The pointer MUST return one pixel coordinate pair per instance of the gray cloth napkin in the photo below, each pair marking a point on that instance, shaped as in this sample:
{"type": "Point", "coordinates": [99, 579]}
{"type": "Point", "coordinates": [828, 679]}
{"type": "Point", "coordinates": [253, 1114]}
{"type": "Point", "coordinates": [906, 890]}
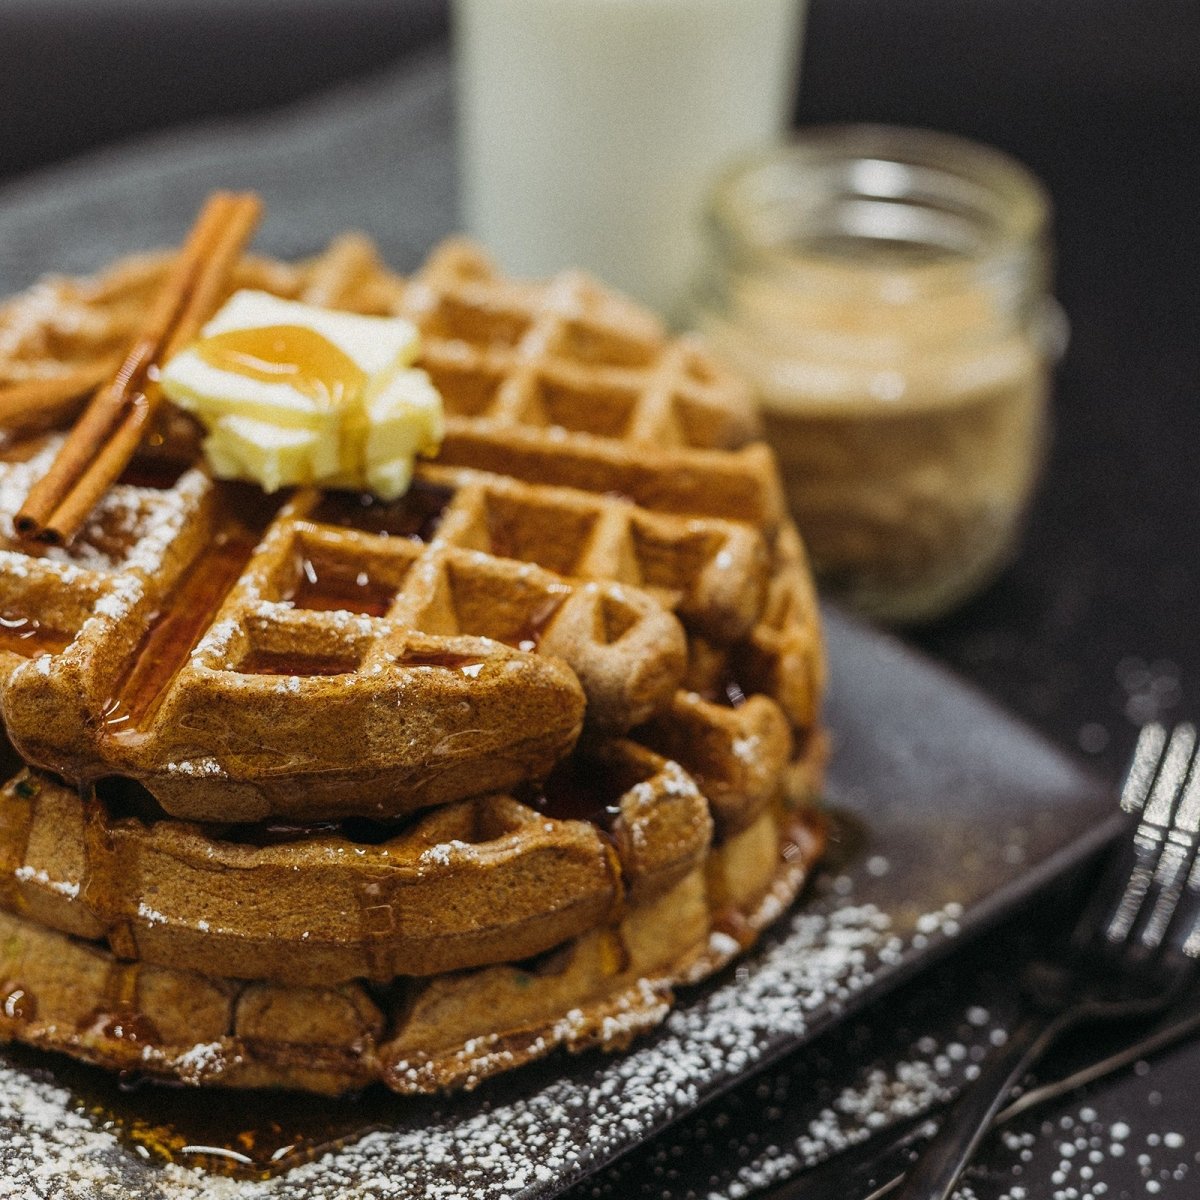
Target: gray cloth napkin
{"type": "Point", "coordinates": [375, 156]}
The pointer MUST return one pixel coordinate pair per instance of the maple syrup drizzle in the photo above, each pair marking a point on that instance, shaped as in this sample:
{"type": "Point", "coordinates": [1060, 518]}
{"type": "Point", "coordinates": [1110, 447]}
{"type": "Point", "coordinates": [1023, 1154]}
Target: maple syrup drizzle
{"type": "Point", "coordinates": [286, 662]}
{"type": "Point", "coordinates": [733, 923]}
{"type": "Point", "coordinates": [185, 616]}
{"type": "Point", "coordinates": [377, 925]}
{"type": "Point", "coordinates": [237, 1134]}
{"type": "Point", "coordinates": [416, 515]}
{"type": "Point", "coordinates": [29, 637]}
{"type": "Point", "coordinates": [325, 586]}
{"type": "Point", "coordinates": [155, 472]}
{"type": "Point", "coordinates": [16, 820]}
{"type": "Point", "coordinates": [103, 884]}
{"type": "Point", "coordinates": [614, 954]}
{"type": "Point", "coordinates": [294, 355]}
{"type": "Point", "coordinates": [447, 660]}
{"type": "Point", "coordinates": [579, 791]}
{"type": "Point", "coordinates": [117, 1015]}
{"type": "Point", "coordinates": [528, 637]}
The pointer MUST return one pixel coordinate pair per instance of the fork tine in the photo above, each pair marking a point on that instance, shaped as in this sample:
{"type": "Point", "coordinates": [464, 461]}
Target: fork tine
{"type": "Point", "coordinates": [1171, 776]}
{"type": "Point", "coordinates": [1188, 923]}
{"type": "Point", "coordinates": [1186, 926]}
{"type": "Point", "coordinates": [1147, 757]}
{"type": "Point", "coordinates": [1154, 786]}
{"type": "Point", "coordinates": [1175, 877]}
{"type": "Point", "coordinates": [1185, 929]}
{"type": "Point", "coordinates": [1188, 816]}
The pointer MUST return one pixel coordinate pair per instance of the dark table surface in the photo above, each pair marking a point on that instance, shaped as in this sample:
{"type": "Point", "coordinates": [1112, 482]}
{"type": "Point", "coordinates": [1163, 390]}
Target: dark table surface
{"type": "Point", "coordinates": [1092, 630]}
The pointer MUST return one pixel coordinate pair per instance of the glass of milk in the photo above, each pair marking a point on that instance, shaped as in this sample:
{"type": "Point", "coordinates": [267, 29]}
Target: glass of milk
{"type": "Point", "coordinates": [590, 130]}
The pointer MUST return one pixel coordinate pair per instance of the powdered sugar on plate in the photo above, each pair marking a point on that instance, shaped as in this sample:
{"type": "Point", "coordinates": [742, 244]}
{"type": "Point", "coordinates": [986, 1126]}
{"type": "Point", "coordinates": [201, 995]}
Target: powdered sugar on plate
{"type": "Point", "coordinates": [534, 1141]}
{"type": "Point", "coordinates": [940, 788]}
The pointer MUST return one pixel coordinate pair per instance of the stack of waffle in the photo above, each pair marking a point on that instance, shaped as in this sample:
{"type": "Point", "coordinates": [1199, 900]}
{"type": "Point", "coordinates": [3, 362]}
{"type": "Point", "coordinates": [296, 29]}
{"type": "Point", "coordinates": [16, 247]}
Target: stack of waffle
{"type": "Point", "coordinates": [324, 790]}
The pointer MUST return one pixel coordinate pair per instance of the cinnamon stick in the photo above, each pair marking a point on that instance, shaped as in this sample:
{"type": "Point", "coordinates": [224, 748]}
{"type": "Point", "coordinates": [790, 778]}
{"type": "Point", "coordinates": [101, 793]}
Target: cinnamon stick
{"type": "Point", "coordinates": [97, 478]}
{"type": "Point", "coordinates": [213, 278]}
{"type": "Point", "coordinates": [106, 436]}
{"type": "Point", "coordinates": [95, 427]}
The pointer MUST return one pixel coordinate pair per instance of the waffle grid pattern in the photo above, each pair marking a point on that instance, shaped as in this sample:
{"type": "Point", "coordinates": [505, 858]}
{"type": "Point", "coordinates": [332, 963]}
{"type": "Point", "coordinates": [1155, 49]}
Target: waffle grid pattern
{"type": "Point", "coordinates": [336, 590]}
{"type": "Point", "coordinates": [599, 554]}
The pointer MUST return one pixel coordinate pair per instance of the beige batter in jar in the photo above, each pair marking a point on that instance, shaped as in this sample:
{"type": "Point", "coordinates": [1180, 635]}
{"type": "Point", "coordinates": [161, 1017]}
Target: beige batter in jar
{"type": "Point", "coordinates": [886, 293]}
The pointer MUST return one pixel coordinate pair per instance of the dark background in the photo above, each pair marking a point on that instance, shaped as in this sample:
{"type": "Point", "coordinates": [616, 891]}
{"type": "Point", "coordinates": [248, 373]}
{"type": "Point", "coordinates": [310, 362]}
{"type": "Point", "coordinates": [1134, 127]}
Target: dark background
{"type": "Point", "coordinates": [1092, 630]}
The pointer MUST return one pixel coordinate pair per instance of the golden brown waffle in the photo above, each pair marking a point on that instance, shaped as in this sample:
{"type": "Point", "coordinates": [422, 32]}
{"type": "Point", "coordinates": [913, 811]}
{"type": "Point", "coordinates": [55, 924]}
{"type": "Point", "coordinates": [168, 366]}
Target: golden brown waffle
{"type": "Point", "coordinates": [597, 555]}
{"type": "Point", "coordinates": [478, 881]}
{"type": "Point", "coordinates": [378, 901]}
{"type": "Point", "coordinates": [220, 656]}
{"type": "Point", "coordinates": [342, 610]}
{"type": "Point", "coordinates": [566, 383]}
{"type": "Point", "coordinates": [556, 383]}
{"type": "Point", "coordinates": [452, 1030]}
{"type": "Point", "coordinates": [412, 901]}
{"type": "Point", "coordinates": [192, 550]}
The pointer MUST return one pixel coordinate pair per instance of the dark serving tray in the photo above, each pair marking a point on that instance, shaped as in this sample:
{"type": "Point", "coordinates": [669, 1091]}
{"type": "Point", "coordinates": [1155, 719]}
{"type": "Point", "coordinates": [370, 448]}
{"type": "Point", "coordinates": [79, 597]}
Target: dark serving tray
{"type": "Point", "coordinates": [948, 814]}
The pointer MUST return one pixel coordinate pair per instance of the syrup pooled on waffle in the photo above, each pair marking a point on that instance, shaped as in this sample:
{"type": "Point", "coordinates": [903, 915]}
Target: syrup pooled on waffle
{"type": "Point", "coordinates": [537, 739]}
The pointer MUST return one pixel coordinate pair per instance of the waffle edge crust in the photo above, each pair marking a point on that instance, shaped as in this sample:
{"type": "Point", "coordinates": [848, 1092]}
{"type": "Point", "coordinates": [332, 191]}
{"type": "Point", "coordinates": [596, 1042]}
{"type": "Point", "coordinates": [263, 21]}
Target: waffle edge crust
{"type": "Point", "coordinates": [326, 792]}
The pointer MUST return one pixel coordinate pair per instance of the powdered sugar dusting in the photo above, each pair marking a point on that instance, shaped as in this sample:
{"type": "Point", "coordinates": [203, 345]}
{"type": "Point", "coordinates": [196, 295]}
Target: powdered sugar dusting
{"type": "Point", "coordinates": [28, 874]}
{"type": "Point", "coordinates": [446, 852]}
{"type": "Point", "coordinates": [826, 954]}
{"type": "Point", "coordinates": [129, 530]}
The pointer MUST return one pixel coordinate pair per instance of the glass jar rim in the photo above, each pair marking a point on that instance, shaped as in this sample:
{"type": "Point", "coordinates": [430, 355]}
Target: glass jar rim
{"type": "Point", "coordinates": [1006, 206]}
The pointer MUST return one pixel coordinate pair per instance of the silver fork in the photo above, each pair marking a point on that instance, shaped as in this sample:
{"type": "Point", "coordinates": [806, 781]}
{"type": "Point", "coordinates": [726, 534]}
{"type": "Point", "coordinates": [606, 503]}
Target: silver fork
{"type": "Point", "coordinates": [1132, 953]}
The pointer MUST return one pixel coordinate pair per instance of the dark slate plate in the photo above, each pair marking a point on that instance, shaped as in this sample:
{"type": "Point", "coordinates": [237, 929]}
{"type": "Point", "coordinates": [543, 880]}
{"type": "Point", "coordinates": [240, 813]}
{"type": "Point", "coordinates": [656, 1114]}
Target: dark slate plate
{"type": "Point", "coordinates": [949, 813]}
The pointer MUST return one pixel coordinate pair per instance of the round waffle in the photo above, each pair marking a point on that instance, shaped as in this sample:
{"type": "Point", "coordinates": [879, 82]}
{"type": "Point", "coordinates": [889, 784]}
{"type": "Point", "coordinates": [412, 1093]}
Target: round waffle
{"type": "Point", "coordinates": [333, 790]}
{"type": "Point", "coordinates": [473, 882]}
{"type": "Point", "coordinates": [416, 1035]}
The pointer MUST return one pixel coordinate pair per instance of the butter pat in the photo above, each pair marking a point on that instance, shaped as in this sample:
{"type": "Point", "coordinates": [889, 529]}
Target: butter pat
{"type": "Point", "coordinates": [293, 394]}
{"type": "Point", "coordinates": [401, 420]}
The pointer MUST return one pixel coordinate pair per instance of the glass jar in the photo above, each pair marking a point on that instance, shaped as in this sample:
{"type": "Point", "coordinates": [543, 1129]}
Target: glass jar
{"type": "Point", "coordinates": [886, 293]}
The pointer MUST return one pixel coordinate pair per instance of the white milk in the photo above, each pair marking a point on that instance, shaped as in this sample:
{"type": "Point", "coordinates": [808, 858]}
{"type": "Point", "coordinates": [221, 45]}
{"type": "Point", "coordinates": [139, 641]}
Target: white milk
{"type": "Point", "coordinates": [590, 130]}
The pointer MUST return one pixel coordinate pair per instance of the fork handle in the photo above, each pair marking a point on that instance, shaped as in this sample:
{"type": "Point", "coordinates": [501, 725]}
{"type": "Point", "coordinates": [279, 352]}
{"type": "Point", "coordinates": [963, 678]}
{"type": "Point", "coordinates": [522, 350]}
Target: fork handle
{"type": "Point", "coordinates": [936, 1171]}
